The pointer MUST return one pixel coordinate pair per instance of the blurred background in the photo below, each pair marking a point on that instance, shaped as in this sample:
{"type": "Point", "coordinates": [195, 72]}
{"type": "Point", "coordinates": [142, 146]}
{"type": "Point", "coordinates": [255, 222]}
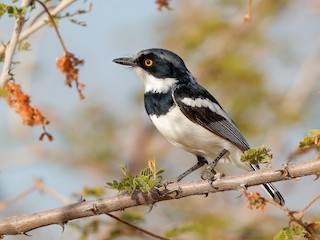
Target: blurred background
{"type": "Point", "coordinates": [265, 74]}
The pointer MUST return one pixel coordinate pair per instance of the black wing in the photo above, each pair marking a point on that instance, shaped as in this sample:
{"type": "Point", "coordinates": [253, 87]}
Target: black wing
{"type": "Point", "coordinates": [198, 105]}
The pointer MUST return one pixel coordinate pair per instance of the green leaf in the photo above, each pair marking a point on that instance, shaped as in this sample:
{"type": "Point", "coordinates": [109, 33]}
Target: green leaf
{"type": "Point", "coordinates": [3, 9]}
{"type": "Point", "coordinates": [3, 92]}
{"type": "Point", "coordinates": [97, 191]}
{"type": "Point", "coordinates": [259, 155]}
{"type": "Point", "coordinates": [24, 46]}
{"type": "Point", "coordinates": [15, 11]}
{"type": "Point", "coordinates": [290, 233]}
{"type": "Point", "coordinates": [144, 181]}
{"type": "Point", "coordinates": [311, 140]}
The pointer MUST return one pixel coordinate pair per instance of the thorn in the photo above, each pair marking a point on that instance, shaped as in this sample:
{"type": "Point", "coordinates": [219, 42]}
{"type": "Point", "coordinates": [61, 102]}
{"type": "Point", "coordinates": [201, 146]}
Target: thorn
{"type": "Point", "coordinates": [218, 176]}
{"type": "Point", "coordinates": [82, 199]}
{"type": "Point", "coordinates": [166, 192]}
{"type": "Point", "coordinates": [150, 208]}
{"type": "Point", "coordinates": [26, 234]}
{"type": "Point", "coordinates": [62, 225]}
{"type": "Point", "coordinates": [240, 196]}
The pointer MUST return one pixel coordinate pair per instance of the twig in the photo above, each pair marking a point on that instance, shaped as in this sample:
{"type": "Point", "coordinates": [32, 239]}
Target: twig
{"type": "Point", "coordinates": [39, 24]}
{"type": "Point", "coordinates": [248, 17]}
{"type": "Point", "coordinates": [11, 47]}
{"type": "Point", "coordinates": [24, 223]}
{"type": "Point", "coordinates": [44, 188]}
{"type": "Point", "coordinates": [16, 198]}
{"type": "Point", "coordinates": [301, 213]}
{"type": "Point", "coordinates": [258, 202]}
{"type": "Point", "coordinates": [136, 227]}
{"type": "Point", "coordinates": [54, 25]}
{"type": "Point", "coordinates": [38, 183]}
{"type": "Point", "coordinates": [291, 215]}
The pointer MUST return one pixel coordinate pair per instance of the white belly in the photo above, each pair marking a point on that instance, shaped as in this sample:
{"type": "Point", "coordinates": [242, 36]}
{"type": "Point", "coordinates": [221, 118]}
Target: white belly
{"type": "Point", "coordinates": [181, 132]}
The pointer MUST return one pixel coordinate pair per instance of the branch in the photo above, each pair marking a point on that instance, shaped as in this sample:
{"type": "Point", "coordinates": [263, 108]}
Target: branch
{"type": "Point", "coordinates": [11, 47]}
{"type": "Point", "coordinates": [22, 224]}
{"type": "Point", "coordinates": [39, 24]}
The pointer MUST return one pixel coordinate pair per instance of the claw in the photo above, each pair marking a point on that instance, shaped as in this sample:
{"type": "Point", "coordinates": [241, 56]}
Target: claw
{"type": "Point", "coordinates": [150, 208]}
{"type": "Point", "coordinates": [166, 192]}
{"type": "Point", "coordinates": [218, 176]}
{"type": "Point", "coordinates": [214, 176]}
{"type": "Point", "coordinates": [165, 183]}
{"type": "Point", "coordinates": [208, 173]}
{"type": "Point", "coordinates": [240, 196]}
{"type": "Point", "coordinates": [211, 181]}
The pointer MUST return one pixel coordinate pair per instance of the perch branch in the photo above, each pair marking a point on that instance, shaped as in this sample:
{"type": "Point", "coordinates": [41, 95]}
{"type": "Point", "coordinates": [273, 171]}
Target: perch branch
{"type": "Point", "coordinates": [24, 223]}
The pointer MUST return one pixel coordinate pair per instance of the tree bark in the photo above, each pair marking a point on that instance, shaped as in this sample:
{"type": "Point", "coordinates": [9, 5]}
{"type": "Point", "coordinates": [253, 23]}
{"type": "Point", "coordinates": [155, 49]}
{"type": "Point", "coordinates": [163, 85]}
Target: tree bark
{"type": "Point", "coordinates": [23, 223]}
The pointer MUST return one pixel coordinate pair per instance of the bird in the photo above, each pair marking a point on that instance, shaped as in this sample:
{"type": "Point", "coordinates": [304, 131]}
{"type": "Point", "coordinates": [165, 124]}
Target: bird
{"type": "Point", "coordinates": [187, 115]}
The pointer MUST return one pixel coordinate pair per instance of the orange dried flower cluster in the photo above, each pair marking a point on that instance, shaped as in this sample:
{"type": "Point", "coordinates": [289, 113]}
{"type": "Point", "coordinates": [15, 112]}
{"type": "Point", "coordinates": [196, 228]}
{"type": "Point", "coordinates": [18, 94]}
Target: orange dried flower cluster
{"type": "Point", "coordinates": [163, 4]}
{"type": "Point", "coordinates": [20, 101]}
{"type": "Point", "coordinates": [68, 65]}
{"type": "Point", "coordinates": [256, 201]}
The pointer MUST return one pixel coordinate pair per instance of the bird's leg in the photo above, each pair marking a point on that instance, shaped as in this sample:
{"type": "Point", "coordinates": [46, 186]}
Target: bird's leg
{"type": "Point", "coordinates": [209, 172]}
{"type": "Point", "coordinates": [201, 161]}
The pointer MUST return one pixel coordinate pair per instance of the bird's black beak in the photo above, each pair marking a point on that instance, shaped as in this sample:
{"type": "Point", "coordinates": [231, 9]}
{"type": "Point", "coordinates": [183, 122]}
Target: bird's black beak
{"type": "Point", "coordinates": [125, 61]}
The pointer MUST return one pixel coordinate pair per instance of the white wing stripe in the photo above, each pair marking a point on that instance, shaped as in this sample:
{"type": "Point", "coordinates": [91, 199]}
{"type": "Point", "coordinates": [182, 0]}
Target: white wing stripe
{"type": "Point", "coordinates": [206, 103]}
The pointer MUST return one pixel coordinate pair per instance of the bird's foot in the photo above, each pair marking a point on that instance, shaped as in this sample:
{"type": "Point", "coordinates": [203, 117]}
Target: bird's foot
{"type": "Point", "coordinates": [164, 191]}
{"type": "Point", "coordinates": [211, 175]}
{"type": "Point", "coordinates": [208, 173]}
{"type": "Point", "coordinates": [165, 183]}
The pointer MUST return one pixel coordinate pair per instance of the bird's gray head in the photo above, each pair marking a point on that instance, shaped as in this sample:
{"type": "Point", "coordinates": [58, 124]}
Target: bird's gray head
{"type": "Point", "coordinates": [159, 69]}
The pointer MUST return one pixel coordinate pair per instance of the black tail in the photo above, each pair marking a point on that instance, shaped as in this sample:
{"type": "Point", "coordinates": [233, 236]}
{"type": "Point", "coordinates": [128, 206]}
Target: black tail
{"type": "Point", "coordinates": [273, 193]}
{"type": "Point", "coordinates": [271, 190]}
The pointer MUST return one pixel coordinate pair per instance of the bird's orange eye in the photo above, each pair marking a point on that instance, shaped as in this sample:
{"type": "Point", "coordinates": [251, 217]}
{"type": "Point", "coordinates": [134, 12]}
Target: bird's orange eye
{"type": "Point", "coordinates": [148, 62]}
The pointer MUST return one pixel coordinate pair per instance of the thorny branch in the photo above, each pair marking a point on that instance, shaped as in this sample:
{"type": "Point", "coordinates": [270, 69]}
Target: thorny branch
{"type": "Point", "coordinates": [22, 224]}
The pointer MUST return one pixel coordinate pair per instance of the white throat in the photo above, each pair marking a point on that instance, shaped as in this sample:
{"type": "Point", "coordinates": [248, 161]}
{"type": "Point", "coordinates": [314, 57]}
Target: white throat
{"type": "Point", "coordinates": [152, 84]}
